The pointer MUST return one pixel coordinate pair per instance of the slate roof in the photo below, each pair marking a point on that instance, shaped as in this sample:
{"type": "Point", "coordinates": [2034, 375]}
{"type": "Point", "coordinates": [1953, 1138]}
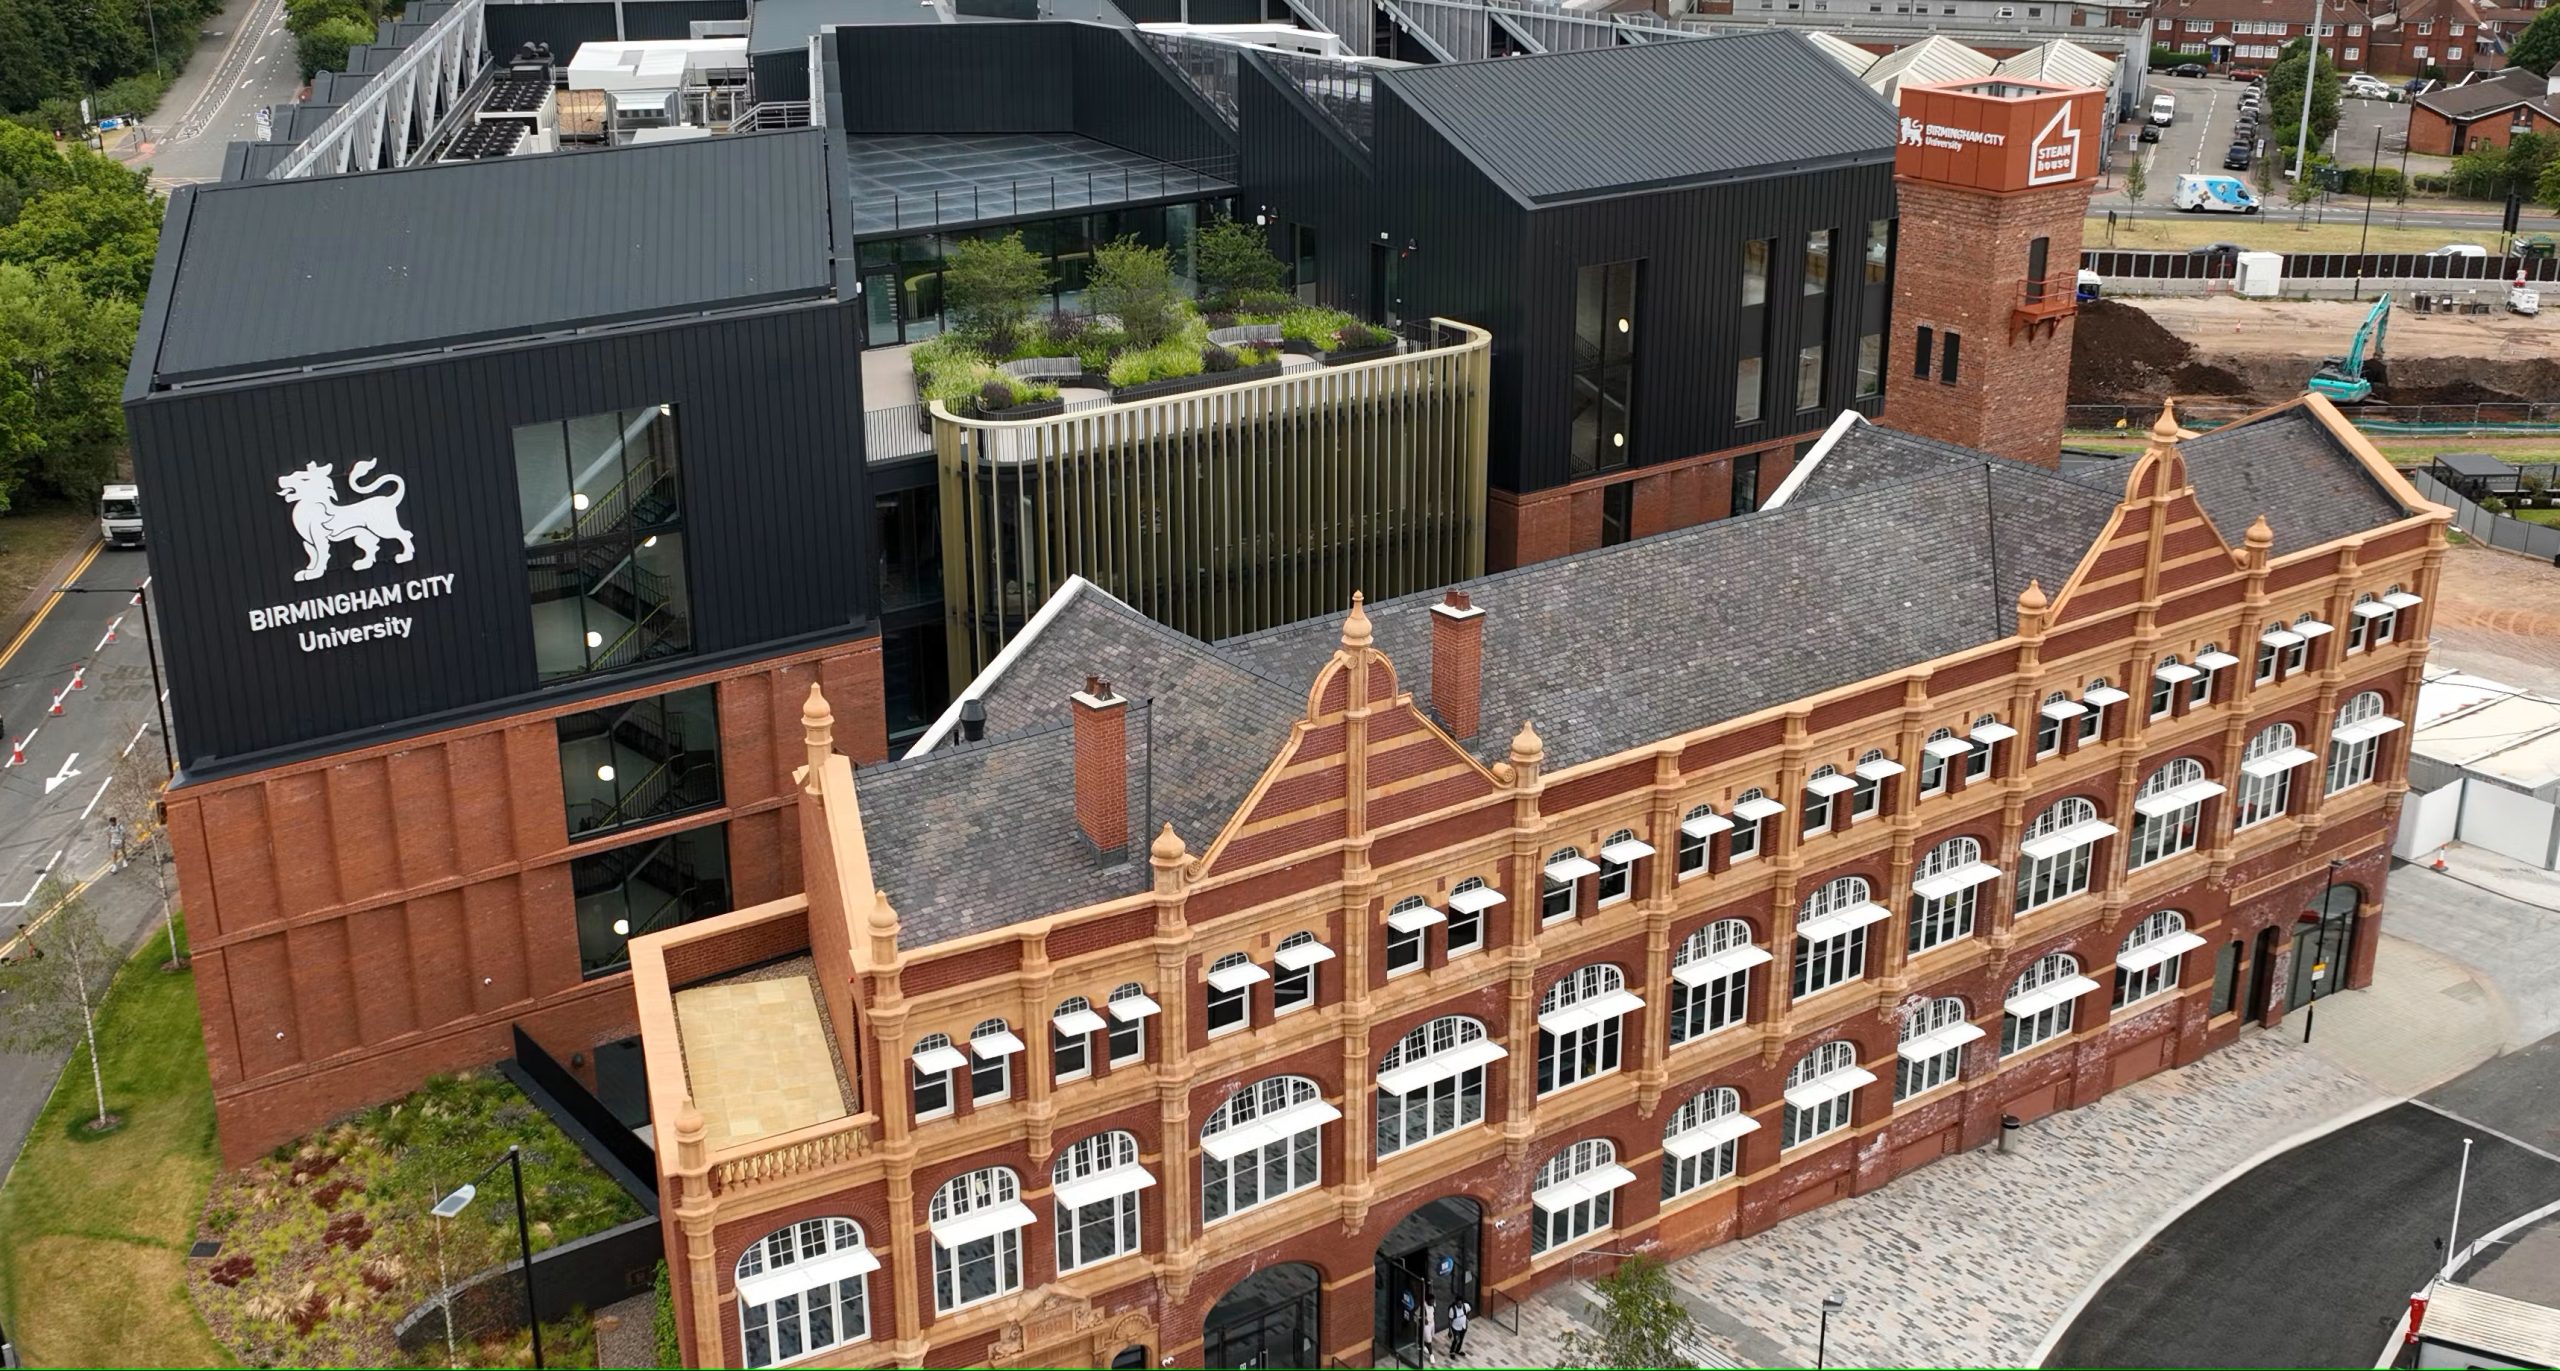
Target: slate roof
{"type": "Point", "coordinates": [1573, 125]}
{"type": "Point", "coordinates": [278, 274]}
{"type": "Point", "coordinates": [2287, 467]}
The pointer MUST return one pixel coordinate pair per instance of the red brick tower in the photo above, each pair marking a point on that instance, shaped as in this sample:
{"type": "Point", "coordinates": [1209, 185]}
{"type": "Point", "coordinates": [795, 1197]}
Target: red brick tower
{"type": "Point", "coordinates": [1994, 179]}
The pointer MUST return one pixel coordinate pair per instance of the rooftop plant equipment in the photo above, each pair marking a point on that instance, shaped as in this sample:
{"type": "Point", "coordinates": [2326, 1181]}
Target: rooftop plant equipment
{"type": "Point", "coordinates": [2342, 378]}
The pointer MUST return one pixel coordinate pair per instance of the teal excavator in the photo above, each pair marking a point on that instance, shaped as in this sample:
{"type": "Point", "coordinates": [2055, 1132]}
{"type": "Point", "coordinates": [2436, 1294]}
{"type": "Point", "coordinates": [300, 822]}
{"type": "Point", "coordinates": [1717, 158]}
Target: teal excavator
{"type": "Point", "coordinates": [2342, 378]}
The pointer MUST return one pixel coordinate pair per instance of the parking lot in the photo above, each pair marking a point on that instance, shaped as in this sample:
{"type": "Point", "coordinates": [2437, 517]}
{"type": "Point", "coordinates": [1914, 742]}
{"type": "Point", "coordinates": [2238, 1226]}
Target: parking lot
{"type": "Point", "coordinates": [2208, 109]}
{"type": "Point", "coordinates": [2358, 120]}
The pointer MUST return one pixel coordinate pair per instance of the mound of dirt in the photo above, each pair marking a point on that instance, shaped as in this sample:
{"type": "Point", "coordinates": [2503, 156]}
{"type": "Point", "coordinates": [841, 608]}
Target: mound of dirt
{"type": "Point", "coordinates": [2463, 380]}
{"type": "Point", "coordinates": [2122, 356]}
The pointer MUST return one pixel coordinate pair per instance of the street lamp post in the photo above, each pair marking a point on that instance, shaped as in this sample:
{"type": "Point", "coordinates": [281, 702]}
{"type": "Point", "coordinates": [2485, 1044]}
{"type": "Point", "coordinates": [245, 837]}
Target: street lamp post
{"type": "Point", "coordinates": [2310, 78]}
{"type": "Point", "coordinates": [459, 1199]}
{"type": "Point", "coordinates": [1822, 1339]}
{"type": "Point", "coordinates": [151, 648]}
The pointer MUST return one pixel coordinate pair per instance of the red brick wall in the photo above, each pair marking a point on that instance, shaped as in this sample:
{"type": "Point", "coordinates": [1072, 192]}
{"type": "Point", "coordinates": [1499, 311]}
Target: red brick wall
{"type": "Point", "coordinates": [368, 919]}
{"type": "Point", "coordinates": [1546, 524]}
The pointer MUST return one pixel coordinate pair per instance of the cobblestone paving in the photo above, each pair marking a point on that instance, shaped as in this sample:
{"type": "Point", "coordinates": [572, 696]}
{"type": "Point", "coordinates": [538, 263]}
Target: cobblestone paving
{"type": "Point", "coordinates": [1972, 1260]}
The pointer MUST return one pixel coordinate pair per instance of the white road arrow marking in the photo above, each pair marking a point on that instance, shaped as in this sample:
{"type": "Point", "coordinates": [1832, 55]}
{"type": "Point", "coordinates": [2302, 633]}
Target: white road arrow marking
{"type": "Point", "coordinates": [63, 776]}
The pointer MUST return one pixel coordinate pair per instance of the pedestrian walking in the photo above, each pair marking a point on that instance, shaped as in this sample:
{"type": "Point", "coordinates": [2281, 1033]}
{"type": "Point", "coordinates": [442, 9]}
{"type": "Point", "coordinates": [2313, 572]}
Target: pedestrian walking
{"type": "Point", "coordinates": [115, 841]}
{"type": "Point", "coordinates": [1457, 1330]}
{"type": "Point", "coordinates": [1430, 1328]}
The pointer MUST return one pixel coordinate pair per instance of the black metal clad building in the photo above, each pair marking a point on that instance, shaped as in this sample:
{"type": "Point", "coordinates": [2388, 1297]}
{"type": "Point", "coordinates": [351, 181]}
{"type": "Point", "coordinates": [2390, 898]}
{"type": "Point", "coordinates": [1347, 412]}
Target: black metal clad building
{"type": "Point", "coordinates": [529, 291]}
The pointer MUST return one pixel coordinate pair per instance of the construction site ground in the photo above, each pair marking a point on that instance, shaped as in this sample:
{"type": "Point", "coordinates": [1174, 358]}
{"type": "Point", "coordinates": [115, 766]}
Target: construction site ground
{"type": "Point", "coordinates": [2134, 352]}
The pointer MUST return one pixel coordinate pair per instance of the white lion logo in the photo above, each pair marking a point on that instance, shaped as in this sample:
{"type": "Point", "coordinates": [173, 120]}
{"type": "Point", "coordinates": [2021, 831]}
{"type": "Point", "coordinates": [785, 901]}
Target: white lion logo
{"type": "Point", "coordinates": [321, 520]}
{"type": "Point", "coordinates": [1913, 134]}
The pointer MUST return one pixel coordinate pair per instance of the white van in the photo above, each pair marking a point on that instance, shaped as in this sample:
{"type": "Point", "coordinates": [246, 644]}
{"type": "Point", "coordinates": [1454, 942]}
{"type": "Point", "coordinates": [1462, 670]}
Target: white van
{"type": "Point", "coordinates": [2164, 108]}
{"type": "Point", "coordinates": [2205, 193]}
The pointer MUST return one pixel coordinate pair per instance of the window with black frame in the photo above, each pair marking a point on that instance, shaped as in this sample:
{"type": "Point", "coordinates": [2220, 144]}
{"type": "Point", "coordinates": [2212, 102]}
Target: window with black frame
{"type": "Point", "coordinates": [1751, 330]}
{"type": "Point", "coordinates": [1604, 350]}
{"type": "Point", "coordinates": [643, 887]}
{"type": "Point", "coordinates": [640, 761]}
{"type": "Point", "coordinates": [603, 520]}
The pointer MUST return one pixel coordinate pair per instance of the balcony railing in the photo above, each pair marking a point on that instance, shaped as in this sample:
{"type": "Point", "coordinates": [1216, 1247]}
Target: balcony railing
{"type": "Point", "coordinates": [815, 1148]}
{"type": "Point", "coordinates": [2044, 301]}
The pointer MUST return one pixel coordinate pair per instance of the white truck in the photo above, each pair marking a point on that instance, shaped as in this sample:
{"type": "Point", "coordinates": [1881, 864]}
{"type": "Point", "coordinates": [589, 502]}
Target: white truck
{"type": "Point", "coordinates": [2206, 193]}
{"type": "Point", "coordinates": [120, 515]}
{"type": "Point", "coordinates": [2164, 108]}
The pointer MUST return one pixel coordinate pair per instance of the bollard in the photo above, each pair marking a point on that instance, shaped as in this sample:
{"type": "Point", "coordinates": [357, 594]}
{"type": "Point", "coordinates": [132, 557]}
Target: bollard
{"type": "Point", "coordinates": [2009, 1123]}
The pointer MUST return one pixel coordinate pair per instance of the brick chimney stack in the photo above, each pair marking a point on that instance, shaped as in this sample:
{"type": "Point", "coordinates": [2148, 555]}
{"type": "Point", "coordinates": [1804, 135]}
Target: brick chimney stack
{"type": "Point", "coordinates": [1993, 180]}
{"type": "Point", "coordinates": [1102, 765]}
{"type": "Point", "coordinates": [1457, 664]}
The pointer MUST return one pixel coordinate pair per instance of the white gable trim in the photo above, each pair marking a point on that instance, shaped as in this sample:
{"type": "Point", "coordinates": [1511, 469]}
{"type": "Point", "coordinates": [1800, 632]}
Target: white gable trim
{"type": "Point", "coordinates": [1848, 419]}
{"type": "Point", "coordinates": [985, 680]}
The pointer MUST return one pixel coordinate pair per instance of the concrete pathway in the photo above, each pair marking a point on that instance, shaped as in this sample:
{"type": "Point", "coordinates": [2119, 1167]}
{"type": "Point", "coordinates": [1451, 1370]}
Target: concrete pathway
{"type": "Point", "coordinates": [2425, 1020]}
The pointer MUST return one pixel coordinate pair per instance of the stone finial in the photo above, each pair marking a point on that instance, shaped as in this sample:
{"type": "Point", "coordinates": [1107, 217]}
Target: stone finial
{"type": "Point", "coordinates": [2032, 599]}
{"type": "Point", "coordinates": [1527, 748]}
{"type": "Point", "coordinates": [1355, 629]}
{"type": "Point", "coordinates": [818, 731]}
{"type": "Point", "coordinates": [692, 1156]}
{"type": "Point", "coordinates": [2164, 430]}
{"type": "Point", "coordinates": [884, 920]}
{"type": "Point", "coordinates": [2259, 535]}
{"type": "Point", "coordinates": [688, 1119]}
{"type": "Point", "coordinates": [1168, 848]}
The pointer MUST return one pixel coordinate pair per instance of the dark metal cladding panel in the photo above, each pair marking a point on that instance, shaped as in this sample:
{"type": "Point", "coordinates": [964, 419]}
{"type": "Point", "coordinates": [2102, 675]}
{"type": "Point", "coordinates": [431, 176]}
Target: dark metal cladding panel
{"type": "Point", "coordinates": [1023, 78]}
{"type": "Point", "coordinates": [1292, 163]}
{"type": "Point", "coordinates": [777, 520]}
{"type": "Point", "coordinates": [564, 24]}
{"type": "Point", "coordinates": [277, 273]}
{"type": "Point", "coordinates": [668, 18]}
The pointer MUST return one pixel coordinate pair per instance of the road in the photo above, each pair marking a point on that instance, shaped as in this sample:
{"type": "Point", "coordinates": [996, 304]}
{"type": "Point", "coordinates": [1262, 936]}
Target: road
{"type": "Point", "coordinates": [247, 62]}
{"type": "Point", "coordinates": [54, 803]}
{"type": "Point", "coordinates": [2309, 1258]}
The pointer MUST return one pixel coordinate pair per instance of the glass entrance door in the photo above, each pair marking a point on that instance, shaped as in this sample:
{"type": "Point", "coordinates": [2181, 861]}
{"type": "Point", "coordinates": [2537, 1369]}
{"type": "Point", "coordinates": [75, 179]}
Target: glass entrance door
{"type": "Point", "coordinates": [1428, 1261]}
{"type": "Point", "coordinates": [880, 308]}
{"type": "Point", "coordinates": [1267, 1320]}
{"type": "Point", "coordinates": [2321, 947]}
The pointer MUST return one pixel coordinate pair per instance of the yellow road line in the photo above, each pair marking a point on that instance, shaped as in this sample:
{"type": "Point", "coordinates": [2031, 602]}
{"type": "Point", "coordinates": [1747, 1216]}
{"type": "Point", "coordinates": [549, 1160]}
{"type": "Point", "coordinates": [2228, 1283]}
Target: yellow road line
{"type": "Point", "coordinates": [36, 924]}
{"type": "Point", "coordinates": [47, 607]}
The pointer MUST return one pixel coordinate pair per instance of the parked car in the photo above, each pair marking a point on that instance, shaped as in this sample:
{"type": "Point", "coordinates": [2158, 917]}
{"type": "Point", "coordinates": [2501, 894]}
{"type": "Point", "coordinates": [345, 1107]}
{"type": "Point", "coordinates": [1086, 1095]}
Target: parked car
{"type": "Point", "coordinates": [2236, 158]}
{"type": "Point", "coordinates": [2151, 133]}
{"type": "Point", "coordinates": [2458, 250]}
{"type": "Point", "coordinates": [2218, 252]}
{"type": "Point", "coordinates": [2187, 69]}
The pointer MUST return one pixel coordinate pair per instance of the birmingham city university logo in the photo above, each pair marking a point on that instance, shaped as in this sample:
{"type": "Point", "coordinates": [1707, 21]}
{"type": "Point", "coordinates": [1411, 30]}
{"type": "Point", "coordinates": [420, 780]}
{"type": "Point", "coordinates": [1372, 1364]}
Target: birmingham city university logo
{"type": "Point", "coordinates": [1911, 132]}
{"type": "Point", "coordinates": [321, 520]}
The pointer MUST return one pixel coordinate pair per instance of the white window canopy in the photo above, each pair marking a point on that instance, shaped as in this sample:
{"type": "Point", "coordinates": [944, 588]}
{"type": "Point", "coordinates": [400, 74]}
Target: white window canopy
{"type": "Point", "coordinates": [1237, 977]}
{"type": "Point", "coordinates": [1571, 869]}
{"type": "Point", "coordinates": [2099, 697]}
{"type": "Point", "coordinates": [1753, 811]}
{"type": "Point", "coordinates": [1831, 785]}
{"type": "Point", "coordinates": [1010, 1216]}
{"type": "Point", "coordinates": [2275, 762]}
{"type": "Point", "coordinates": [1943, 748]}
{"type": "Point", "coordinates": [1936, 1041]}
{"type": "Point", "coordinates": [2401, 599]}
{"type": "Point", "coordinates": [1415, 918]}
{"type": "Point", "coordinates": [1597, 1181]}
{"type": "Point", "coordinates": [1101, 1185]}
{"type": "Point", "coordinates": [2175, 798]}
{"type": "Point", "coordinates": [1879, 768]}
{"type": "Point", "coordinates": [1476, 900]}
{"type": "Point", "coordinates": [1721, 965]}
{"type": "Point", "coordinates": [1229, 1143]}
{"type": "Point", "coordinates": [1441, 1066]}
{"type": "Point", "coordinates": [2312, 628]}
{"type": "Point", "coordinates": [1993, 733]}
{"type": "Point", "coordinates": [1584, 1013]}
{"type": "Point", "coordinates": [1624, 852]}
{"type": "Point", "coordinates": [1840, 921]}
{"type": "Point", "coordinates": [1828, 1087]}
{"type": "Point", "coordinates": [799, 1278]}
{"type": "Point", "coordinates": [1131, 1008]}
{"type": "Point", "coordinates": [2159, 950]}
{"type": "Point", "coordinates": [2363, 729]}
{"type": "Point", "coordinates": [2282, 637]}
{"type": "Point", "coordinates": [1705, 825]}
{"type": "Point", "coordinates": [2371, 609]}
{"type": "Point", "coordinates": [2064, 709]}
{"type": "Point", "coordinates": [2176, 672]}
{"type": "Point", "coordinates": [2078, 835]}
{"type": "Point", "coordinates": [1715, 1132]}
{"type": "Point", "coordinates": [939, 1060]}
{"type": "Point", "coordinates": [1946, 883]}
{"type": "Point", "coordinates": [1080, 1023]}
{"type": "Point", "coordinates": [1302, 956]}
{"type": "Point", "coordinates": [2045, 997]}
{"type": "Point", "coordinates": [987, 1047]}
{"type": "Point", "coordinates": [2216, 661]}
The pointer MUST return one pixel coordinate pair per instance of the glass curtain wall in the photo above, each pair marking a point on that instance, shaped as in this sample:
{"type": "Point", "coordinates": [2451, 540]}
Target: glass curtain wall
{"type": "Point", "coordinates": [604, 540]}
{"type": "Point", "coordinates": [1604, 364]}
{"type": "Point", "coordinates": [902, 277]}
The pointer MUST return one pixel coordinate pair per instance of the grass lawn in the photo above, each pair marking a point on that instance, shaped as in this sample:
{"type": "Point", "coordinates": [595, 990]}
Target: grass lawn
{"type": "Point", "coordinates": [2548, 518]}
{"type": "Point", "coordinates": [2275, 231]}
{"type": "Point", "coordinates": [33, 537]}
{"type": "Point", "coordinates": [93, 1266]}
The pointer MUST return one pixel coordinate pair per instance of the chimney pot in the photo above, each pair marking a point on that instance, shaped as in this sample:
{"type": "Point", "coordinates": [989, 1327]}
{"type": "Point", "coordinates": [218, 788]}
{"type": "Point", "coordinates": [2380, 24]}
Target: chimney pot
{"type": "Point", "coordinates": [1102, 766]}
{"type": "Point", "coordinates": [1457, 664]}
{"type": "Point", "coordinates": [973, 719]}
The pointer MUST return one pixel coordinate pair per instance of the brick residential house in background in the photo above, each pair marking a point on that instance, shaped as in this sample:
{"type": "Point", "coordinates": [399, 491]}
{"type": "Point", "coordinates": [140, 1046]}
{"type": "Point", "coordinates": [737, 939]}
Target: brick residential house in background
{"type": "Point", "coordinates": [2254, 32]}
{"type": "Point", "coordinates": [1629, 902]}
{"type": "Point", "coordinates": [2454, 37]}
{"type": "Point", "coordinates": [2492, 110]}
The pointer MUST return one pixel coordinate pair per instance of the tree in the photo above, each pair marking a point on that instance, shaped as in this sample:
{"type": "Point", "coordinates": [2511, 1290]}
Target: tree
{"type": "Point", "coordinates": [2284, 94]}
{"type": "Point", "coordinates": [2537, 49]}
{"type": "Point", "coordinates": [991, 284]}
{"type": "Point", "coordinates": [134, 788]}
{"type": "Point", "coordinates": [1134, 283]}
{"type": "Point", "coordinates": [52, 981]}
{"type": "Point", "coordinates": [2479, 170]}
{"type": "Point", "coordinates": [2546, 189]}
{"type": "Point", "coordinates": [323, 46]}
{"type": "Point", "coordinates": [2137, 178]}
{"type": "Point", "coordinates": [104, 237]}
{"type": "Point", "coordinates": [2304, 190]}
{"type": "Point", "coordinates": [1641, 1321]}
{"type": "Point", "coordinates": [1236, 259]}
{"type": "Point", "coordinates": [62, 360]}
{"type": "Point", "coordinates": [2528, 156]}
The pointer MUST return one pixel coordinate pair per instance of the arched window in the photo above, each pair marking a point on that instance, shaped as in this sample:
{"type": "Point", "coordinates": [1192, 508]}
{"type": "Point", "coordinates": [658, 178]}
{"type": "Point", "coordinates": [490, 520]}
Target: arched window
{"type": "Point", "coordinates": [1576, 1194]}
{"type": "Point", "coordinates": [2054, 853]}
{"type": "Point", "coordinates": [1819, 788]}
{"type": "Point", "coordinates": [2210, 660]}
{"type": "Point", "coordinates": [934, 1061]}
{"type": "Point", "coordinates": [977, 1221]}
{"type": "Point", "coordinates": [1711, 979]}
{"type": "Point", "coordinates": [1703, 1140]}
{"type": "Point", "coordinates": [1933, 758]}
{"type": "Point", "coordinates": [2040, 1001]}
{"type": "Point", "coordinates": [2165, 679]}
{"type": "Point", "coordinates": [1266, 1141]}
{"type": "Point", "coordinates": [2094, 699]}
{"type": "Point", "coordinates": [991, 1049]}
{"type": "Point", "coordinates": [1561, 892]}
{"type": "Point", "coordinates": [2147, 963]}
{"type": "Point", "coordinates": [1468, 900]}
{"type": "Point", "coordinates": [2266, 775]}
{"type": "Point", "coordinates": [2369, 622]}
{"type": "Point", "coordinates": [1751, 810]}
{"type": "Point", "coordinates": [1873, 770]}
{"type": "Point", "coordinates": [1943, 888]}
{"type": "Point", "coordinates": [2354, 738]}
{"type": "Point", "coordinates": [1831, 935]}
{"type": "Point", "coordinates": [1071, 1032]}
{"type": "Point", "coordinates": [1931, 1053]}
{"type": "Point", "coordinates": [1618, 864]}
{"type": "Point", "coordinates": [1698, 830]}
{"type": "Point", "coordinates": [1580, 1022]}
{"type": "Point", "coordinates": [1231, 981]}
{"type": "Point", "coordinates": [2168, 814]}
{"type": "Point", "coordinates": [1095, 1184]}
{"type": "Point", "coordinates": [1407, 923]}
{"type": "Point", "coordinates": [1822, 1091]}
{"type": "Point", "coordinates": [2273, 643]}
{"type": "Point", "coordinates": [2057, 714]}
{"type": "Point", "coordinates": [1988, 733]}
{"type": "Point", "coordinates": [1432, 1082]}
{"type": "Point", "coordinates": [801, 1289]}
{"type": "Point", "coordinates": [1130, 1007]}
{"type": "Point", "coordinates": [1293, 976]}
